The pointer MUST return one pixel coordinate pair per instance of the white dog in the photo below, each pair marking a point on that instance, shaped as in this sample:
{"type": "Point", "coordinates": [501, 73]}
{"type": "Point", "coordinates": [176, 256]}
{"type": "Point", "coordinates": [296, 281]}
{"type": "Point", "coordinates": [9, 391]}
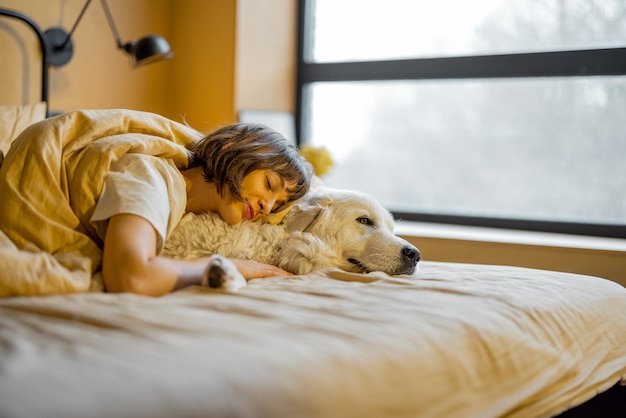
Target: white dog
{"type": "Point", "coordinates": [326, 228]}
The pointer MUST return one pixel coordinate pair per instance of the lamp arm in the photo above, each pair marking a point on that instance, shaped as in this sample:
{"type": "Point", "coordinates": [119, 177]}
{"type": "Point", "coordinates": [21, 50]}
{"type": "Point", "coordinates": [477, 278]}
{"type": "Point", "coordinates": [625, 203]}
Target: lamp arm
{"type": "Point", "coordinates": [116, 35]}
{"type": "Point", "coordinates": [80, 16]}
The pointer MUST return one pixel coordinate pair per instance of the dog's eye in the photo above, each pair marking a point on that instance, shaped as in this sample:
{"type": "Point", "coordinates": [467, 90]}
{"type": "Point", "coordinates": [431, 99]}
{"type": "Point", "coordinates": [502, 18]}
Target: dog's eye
{"type": "Point", "coordinates": [365, 221]}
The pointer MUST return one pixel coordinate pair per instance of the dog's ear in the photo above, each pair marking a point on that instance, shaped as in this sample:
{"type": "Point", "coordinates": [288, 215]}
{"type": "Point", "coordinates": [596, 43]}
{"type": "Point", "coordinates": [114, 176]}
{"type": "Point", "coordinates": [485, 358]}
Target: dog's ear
{"type": "Point", "coordinates": [302, 216]}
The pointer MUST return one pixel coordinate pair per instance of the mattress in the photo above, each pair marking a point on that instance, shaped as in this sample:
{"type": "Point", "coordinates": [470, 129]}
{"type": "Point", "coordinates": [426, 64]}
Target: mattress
{"type": "Point", "coordinates": [452, 340]}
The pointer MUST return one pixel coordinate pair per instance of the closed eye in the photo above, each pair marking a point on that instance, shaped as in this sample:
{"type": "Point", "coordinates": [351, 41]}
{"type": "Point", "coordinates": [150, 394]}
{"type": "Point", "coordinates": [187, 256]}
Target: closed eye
{"type": "Point", "coordinates": [365, 221]}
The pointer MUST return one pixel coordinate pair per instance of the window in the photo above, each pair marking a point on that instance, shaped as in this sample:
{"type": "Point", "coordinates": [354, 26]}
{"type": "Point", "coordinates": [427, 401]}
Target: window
{"type": "Point", "coordinates": [495, 113]}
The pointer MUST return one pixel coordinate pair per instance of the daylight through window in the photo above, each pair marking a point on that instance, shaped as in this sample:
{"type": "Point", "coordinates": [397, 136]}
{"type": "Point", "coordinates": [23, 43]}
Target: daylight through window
{"type": "Point", "coordinates": [498, 114]}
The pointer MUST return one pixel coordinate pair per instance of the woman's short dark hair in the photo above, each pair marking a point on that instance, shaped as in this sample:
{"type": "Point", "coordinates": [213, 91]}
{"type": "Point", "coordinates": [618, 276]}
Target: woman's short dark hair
{"type": "Point", "coordinates": [233, 151]}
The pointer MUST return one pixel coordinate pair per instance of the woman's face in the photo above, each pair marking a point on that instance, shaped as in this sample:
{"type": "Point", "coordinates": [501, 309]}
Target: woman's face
{"type": "Point", "coordinates": [262, 191]}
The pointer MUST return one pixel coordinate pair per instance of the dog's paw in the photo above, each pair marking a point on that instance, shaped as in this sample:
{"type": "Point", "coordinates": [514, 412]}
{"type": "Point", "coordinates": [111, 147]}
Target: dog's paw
{"type": "Point", "coordinates": [221, 273]}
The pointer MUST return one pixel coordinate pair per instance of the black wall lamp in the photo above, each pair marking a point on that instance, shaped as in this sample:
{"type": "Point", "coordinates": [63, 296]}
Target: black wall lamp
{"type": "Point", "coordinates": [146, 50]}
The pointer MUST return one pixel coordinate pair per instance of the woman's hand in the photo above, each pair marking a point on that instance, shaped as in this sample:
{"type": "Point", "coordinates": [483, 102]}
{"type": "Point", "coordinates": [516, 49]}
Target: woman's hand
{"type": "Point", "coordinates": [254, 270]}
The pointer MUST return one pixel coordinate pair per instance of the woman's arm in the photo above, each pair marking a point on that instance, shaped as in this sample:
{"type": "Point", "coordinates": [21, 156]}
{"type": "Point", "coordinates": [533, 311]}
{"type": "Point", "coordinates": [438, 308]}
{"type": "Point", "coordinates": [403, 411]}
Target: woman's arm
{"type": "Point", "coordinates": [130, 262]}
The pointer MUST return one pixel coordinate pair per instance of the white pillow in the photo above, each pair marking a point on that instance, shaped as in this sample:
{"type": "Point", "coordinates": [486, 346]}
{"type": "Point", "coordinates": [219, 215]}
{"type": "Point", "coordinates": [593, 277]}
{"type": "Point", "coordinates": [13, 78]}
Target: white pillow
{"type": "Point", "coordinates": [14, 119]}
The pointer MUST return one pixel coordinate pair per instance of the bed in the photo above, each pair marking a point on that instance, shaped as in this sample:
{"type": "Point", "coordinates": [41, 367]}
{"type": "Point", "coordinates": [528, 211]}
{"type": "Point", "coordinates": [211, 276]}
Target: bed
{"type": "Point", "coordinates": [458, 340]}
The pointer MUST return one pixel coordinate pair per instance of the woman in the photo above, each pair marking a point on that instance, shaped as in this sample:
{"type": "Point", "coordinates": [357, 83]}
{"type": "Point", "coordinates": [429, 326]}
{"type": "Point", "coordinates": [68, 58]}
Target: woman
{"type": "Point", "coordinates": [117, 183]}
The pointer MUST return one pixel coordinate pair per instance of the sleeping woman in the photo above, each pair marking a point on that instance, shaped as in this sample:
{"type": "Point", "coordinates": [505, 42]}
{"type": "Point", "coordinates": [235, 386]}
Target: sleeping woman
{"type": "Point", "coordinates": [94, 194]}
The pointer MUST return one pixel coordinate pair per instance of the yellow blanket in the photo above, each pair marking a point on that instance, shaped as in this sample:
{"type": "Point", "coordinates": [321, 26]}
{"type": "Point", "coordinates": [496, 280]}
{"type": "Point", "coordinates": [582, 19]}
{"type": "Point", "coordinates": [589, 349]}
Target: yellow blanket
{"type": "Point", "coordinates": [50, 181]}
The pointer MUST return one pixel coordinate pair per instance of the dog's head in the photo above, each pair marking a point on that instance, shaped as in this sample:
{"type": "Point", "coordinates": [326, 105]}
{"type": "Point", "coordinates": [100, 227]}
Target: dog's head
{"type": "Point", "coordinates": [357, 228]}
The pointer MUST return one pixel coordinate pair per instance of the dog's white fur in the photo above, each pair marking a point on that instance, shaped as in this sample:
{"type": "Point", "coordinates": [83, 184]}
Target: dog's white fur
{"type": "Point", "coordinates": [327, 228]}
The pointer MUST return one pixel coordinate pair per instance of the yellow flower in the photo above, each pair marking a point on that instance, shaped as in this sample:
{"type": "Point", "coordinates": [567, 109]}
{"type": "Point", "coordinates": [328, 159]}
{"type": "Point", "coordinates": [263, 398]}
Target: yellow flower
{"type": "Point", "coordinates": [319, 157]}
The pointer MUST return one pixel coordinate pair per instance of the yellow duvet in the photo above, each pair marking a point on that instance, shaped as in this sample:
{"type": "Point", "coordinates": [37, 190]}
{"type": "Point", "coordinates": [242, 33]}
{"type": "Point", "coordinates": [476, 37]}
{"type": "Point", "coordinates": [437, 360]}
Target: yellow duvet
{"type": "Point", "coordinates": [50, 181]}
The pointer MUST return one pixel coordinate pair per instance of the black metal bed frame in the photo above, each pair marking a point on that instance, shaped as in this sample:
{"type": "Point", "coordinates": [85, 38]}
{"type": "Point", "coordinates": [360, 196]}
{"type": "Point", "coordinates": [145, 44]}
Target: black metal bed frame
{"type": "Point", "coordinates": [43, 46]}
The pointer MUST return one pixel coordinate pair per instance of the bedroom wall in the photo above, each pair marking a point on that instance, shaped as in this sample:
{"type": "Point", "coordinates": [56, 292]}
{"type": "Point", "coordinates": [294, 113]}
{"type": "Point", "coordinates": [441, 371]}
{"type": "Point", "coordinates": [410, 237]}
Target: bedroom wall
{"type": "Point", "coordinates": [201, 85]}
{"type": "Point", "coordinates": [229, 55]}
{"type": "Point", "coordinates": [266, 55]}
{"type": "Point", "coordinates": [98, 76]}
{"type": "Point", "coordinates": [198, 84]}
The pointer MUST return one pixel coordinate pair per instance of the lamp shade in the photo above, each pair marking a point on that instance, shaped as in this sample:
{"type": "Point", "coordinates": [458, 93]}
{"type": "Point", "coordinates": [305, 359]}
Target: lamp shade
{"type": "Point", "coordinates": [149, 49]}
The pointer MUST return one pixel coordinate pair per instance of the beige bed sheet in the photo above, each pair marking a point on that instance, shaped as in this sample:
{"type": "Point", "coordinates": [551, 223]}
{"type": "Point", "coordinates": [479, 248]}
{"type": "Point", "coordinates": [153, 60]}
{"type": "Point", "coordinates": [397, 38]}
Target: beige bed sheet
{"type": "Point", "coordinates": [454, 340]}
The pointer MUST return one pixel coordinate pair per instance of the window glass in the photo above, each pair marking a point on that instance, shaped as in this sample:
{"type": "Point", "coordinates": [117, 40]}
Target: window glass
{"type": "Point", "coordinates": [544, 148]}
{"type": "Point", "coordinates": [357, 30]}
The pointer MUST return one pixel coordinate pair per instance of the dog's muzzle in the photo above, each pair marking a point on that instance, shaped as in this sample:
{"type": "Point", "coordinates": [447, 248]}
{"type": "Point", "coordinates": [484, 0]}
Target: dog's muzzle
{"type": "Point", "coordinates": [409, 257]}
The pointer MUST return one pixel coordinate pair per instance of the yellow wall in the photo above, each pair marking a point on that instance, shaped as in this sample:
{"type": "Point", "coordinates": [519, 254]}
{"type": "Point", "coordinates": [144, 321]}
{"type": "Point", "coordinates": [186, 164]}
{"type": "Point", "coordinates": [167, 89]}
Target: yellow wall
{"type": "Point", "coordinates": [201, 85]}
{"type": "Point", "coordinates": [229, 55]}
{"type": "Point", "coordinates": [198, 84]}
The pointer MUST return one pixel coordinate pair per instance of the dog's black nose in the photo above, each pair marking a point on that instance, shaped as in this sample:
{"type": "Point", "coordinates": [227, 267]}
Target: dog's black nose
{"type": "Point", "coordinates": [411, 253]}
